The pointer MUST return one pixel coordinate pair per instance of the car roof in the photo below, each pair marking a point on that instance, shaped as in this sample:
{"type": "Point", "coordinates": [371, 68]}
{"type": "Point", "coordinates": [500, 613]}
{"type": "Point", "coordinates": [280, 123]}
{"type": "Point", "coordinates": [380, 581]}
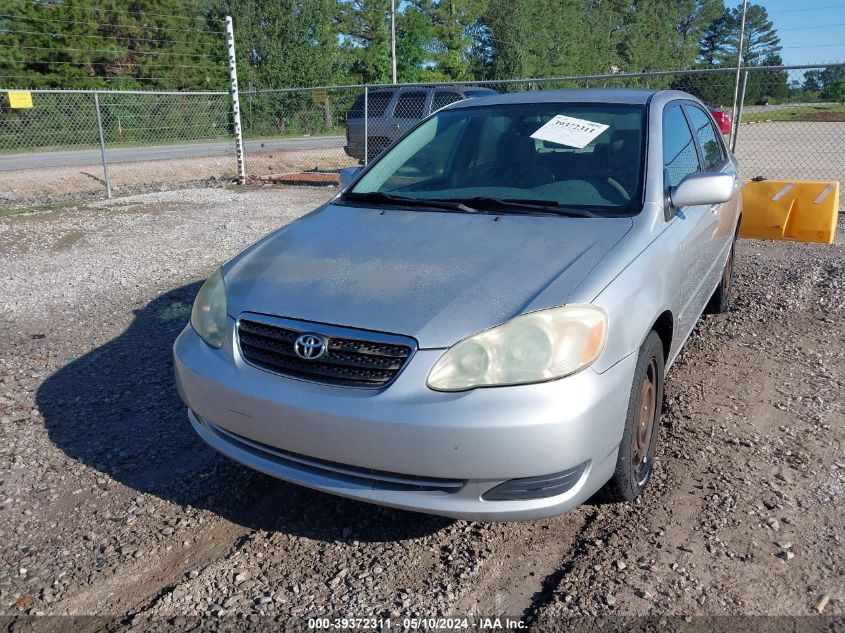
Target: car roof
{"type": "Point", "coordinates": [460, 88]}
{"type": "Point", "coordinates": [582, 95]}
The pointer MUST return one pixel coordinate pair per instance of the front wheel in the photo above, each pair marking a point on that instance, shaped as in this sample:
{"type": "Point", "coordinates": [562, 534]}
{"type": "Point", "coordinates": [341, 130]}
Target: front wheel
{"type": "Point", "coordinates": [636, 451]}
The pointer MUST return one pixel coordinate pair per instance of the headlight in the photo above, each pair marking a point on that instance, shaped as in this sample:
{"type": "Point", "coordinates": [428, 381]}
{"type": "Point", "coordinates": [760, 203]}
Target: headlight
{"type": "Point", "coordinates": [532, 347]}
{"type": "Point", "coordinates": [208, 316]}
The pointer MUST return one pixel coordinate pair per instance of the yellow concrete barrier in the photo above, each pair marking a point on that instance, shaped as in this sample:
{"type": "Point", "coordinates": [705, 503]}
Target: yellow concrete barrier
{"type": "Point", "coordinates": [800, 210]}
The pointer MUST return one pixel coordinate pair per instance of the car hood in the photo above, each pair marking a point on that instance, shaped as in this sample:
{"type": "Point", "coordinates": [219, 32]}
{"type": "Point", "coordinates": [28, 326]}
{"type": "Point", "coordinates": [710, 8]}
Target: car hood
{"type": "Point", "coordinates": [435, 276]}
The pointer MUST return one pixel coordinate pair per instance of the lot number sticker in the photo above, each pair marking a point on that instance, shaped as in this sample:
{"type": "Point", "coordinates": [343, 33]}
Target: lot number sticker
{"type": "Point", "coordinates": [566, 130]}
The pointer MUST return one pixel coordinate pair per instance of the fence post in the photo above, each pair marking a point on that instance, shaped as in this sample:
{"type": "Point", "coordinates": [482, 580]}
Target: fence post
{"type": "Point", "coordinates": [102, 144]}
{"type": "Point", "coordinates": [366, 124]}
{"type": "Point", "coordinates": [739, 110]}
{"type": "Point", "coordinates": [236, 104]}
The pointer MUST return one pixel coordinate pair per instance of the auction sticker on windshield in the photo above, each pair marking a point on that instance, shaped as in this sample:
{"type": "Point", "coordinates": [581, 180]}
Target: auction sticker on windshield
{"type": "Point", "coordinates": [566, 130]}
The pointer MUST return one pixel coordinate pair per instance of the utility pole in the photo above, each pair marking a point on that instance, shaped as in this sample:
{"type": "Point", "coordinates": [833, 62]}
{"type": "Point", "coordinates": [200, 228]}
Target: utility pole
{"type": "Point", "coordinates": [738, 64]}
{"type": "Point", "coordinates": [393, 39]}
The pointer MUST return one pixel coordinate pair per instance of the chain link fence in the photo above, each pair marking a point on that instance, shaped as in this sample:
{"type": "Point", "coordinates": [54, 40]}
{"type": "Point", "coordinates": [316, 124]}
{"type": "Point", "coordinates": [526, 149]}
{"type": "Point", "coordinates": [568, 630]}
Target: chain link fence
{"type": "Point", "coordinates": [78, 141]}
{"type": "Point", "coordinates": [791, 125]}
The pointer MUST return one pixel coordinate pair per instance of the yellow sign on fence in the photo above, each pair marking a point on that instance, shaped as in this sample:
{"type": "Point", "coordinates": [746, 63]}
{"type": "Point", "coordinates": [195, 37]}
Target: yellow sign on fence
{"type": "Point", "coordinates": [319, 96]}
{"type": "Point", "coordinates": [20, 99]}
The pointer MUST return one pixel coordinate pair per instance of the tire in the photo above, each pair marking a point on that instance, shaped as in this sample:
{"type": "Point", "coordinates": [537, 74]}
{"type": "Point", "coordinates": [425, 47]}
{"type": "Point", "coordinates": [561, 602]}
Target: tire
{"type": "Point", "coordinates": [636, 451]}
{"type": "Point", "coordinates": [720, 302]}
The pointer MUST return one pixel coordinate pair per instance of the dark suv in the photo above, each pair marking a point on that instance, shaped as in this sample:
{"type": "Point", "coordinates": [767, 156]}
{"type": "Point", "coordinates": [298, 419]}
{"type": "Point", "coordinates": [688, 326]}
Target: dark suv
{"type": "Point", "coordinates": [393, 111]}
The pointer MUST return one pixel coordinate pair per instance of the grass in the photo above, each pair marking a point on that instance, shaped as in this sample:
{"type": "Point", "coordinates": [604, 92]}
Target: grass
{"type": "Point", "coordinates": [816, 112]}
{"type": "Point", "coordinates": [14, 208]}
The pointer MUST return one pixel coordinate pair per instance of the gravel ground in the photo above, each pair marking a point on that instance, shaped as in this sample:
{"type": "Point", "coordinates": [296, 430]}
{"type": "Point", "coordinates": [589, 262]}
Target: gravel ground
{"type": "Point", "coordinates": [110, 506]}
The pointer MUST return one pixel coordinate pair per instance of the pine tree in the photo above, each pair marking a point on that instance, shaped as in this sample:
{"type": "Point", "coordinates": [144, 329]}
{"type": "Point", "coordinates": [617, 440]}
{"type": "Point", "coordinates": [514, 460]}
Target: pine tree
{"type": "Point", "coordinates": [364, 28]}
{"type": "Point", "coordinates": [112, 44]}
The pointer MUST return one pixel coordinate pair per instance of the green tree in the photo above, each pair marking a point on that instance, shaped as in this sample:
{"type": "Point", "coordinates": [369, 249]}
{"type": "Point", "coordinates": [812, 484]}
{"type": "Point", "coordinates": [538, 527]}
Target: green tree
{"type": "Point", "coordinates": [415, 42]}
{"type": "Point", "coordinates": [695, 18]}
{"type": "Point", "coordinates": [111, 43]}
{"type": "Point", "coordinates": [722, 39]}
{"type": "Point", "coordinates": [455, 23]}
{"type": "Point", "coordinates": [652, 39]}
{"type": "Point", "coordinates": [284, 43]}
{"type": "Point", "coordinates": [364, 29]}
{"type": "Point", "coordinates": [837, 90]}
{"type": "Point", "coordinates": [508, 29]}
{"type": "Point", "coordinates": [827, 82]}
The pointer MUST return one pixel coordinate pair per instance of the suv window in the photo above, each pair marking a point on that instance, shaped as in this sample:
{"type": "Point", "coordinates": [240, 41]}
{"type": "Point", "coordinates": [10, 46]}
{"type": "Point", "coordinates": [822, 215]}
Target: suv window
{"type": "Point", "coordinates": [680, 157]}
{"type": "Point", "coordinates": [377, 103]}
{"type": "Point", "coordinates": [410, 105]}
{"type": "Point", "coordinates": [442, 99]}
{"type": "Point", "coordinates": [708, 141]}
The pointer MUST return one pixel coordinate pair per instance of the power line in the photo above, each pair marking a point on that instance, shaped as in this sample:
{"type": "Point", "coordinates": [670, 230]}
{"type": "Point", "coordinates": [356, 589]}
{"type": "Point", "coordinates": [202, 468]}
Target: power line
{"type": "Point", "coordinates": [112, 63]}
{"type": "Point", "coordinates": [89, 22]}
{"type": "Point", "coordinates": [815, 26]}
{"type": "Point", "coordinates": [111, 50]}
{"type": "Point", "coordinates": [102, 37]}
{"type": "Point", "coordinates": [97, 77]}
{"type": "Point", "coordinates": [829, 6]}
{"type": "Point", "coordinates": [816, 45]}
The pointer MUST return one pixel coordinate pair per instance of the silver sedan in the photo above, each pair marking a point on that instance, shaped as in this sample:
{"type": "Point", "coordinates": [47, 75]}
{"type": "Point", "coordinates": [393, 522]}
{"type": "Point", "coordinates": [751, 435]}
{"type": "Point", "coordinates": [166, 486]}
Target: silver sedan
{"type": "Point", "coordinates": [479, 324]}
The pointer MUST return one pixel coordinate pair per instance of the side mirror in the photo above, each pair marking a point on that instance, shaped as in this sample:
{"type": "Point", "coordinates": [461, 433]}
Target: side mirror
{"type": "Point", "coordinates": [347, 175]}
{"type": "Point", "coordinates": [702, 188]}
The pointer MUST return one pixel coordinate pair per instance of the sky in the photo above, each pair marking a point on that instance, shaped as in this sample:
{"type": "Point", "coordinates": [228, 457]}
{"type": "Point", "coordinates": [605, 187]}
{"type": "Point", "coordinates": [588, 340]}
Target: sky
{"type": "Point", "coordinates": [810, 31]}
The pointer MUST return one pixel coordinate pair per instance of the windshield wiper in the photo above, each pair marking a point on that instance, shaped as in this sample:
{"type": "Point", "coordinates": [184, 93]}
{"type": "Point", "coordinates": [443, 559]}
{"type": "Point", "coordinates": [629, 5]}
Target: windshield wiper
{"type": "Point", "coordinates": [512, 204]}
{"type": "Point", "coordinates": [379, 197]}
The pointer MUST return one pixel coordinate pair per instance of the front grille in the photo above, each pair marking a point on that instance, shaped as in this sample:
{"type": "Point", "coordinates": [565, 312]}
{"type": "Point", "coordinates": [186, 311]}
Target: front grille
{"type": "Point", "coordinates": [374, 479]}
{"type": "Point", "coordinates": [351, 362]}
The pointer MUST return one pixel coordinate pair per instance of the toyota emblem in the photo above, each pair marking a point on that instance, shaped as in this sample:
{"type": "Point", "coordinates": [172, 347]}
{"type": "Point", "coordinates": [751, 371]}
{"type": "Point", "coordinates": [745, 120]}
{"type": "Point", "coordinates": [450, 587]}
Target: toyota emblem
{"type": "Point", "coordinates": [310, 346]}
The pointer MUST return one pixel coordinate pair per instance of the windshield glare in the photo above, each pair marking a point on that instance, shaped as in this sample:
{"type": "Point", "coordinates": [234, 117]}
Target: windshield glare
{"type": "Point", "coordinates": [488, 152]}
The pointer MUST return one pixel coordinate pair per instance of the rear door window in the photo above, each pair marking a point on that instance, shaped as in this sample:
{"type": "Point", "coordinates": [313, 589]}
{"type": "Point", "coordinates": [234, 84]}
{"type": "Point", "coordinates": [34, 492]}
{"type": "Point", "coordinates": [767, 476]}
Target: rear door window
{"type": "Point", "coordinates": [709, 141]}
{"type": "Point", "coordinates": [680, 157]}
{"type": "Point", "coordinates": [377, 102]}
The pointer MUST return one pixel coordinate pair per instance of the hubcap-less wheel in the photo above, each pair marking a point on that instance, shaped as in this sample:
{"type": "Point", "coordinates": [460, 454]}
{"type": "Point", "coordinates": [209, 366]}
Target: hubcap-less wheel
{"type": "Point", "coordinates": [641, 438]}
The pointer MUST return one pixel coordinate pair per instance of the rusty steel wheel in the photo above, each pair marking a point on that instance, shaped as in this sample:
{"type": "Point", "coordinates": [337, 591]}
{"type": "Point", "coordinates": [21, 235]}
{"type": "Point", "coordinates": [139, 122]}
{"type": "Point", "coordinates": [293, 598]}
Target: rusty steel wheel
{"type": "Point", "coordinates": [641, 437]}
{"type": "Point", "coordinates": [635, 458]}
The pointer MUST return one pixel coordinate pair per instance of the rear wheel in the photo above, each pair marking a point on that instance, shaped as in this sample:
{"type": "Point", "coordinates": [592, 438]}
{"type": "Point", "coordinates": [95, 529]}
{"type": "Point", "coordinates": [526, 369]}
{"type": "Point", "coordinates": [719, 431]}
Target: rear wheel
{"type": "Point", "coordinates": [720, 302]}
{"type": "Point", "coordinates": [639, 440]}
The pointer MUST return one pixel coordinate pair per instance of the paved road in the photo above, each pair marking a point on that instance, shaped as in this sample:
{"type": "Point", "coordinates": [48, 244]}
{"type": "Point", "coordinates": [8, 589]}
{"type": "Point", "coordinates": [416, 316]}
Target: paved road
{"type": "Point", "coordinates": [37, 160]}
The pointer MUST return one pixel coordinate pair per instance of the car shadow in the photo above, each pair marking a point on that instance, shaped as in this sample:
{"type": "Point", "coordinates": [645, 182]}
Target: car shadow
{"type": "Point", "coordinates": [116, 410]}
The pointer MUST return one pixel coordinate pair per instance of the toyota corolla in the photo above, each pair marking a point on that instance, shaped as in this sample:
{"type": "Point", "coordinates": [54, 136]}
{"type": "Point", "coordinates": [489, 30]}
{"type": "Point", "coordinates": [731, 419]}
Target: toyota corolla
{"type": "Point", "coordinates": [479, 324]}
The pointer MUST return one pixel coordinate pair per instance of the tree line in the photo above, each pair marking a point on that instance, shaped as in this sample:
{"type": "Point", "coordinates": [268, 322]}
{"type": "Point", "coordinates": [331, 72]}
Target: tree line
{"type": "Point", "coordinates": [286, 43]}
{"type": "Point", "coordinates": [180, 44]}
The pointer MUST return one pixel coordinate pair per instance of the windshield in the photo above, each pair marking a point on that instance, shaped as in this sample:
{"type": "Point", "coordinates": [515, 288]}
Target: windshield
{"type": "Point", "coordinates": [589, 157]}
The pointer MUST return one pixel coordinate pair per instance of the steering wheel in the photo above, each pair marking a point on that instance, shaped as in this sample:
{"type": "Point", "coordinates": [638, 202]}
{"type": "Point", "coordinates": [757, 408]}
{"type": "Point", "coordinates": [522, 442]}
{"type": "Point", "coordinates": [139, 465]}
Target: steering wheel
{"type": "Point", "coordinates": [619, 188]}
{"type": "Point", "coordinates": [603, 182]}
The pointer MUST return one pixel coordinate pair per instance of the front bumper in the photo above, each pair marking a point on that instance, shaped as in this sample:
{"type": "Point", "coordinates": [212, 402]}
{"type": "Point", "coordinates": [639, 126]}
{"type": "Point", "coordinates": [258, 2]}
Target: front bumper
{"type": "Point", "coordinates": [481, 437]}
